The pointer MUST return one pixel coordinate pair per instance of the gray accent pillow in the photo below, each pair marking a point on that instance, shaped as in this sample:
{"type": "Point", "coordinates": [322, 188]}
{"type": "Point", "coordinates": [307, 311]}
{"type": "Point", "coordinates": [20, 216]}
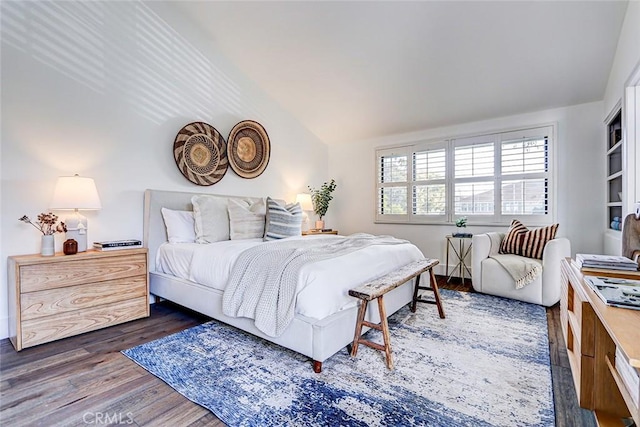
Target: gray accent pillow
{"type": "Point", "coordinates": [282, 220]}
{"type": "Point", "coordinates": [246, 219]}
{"type": "Point", "coordinates": [211, 218]}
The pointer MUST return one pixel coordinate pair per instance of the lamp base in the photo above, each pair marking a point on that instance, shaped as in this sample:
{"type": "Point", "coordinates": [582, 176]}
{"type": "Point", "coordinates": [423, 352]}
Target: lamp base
{"type": "Point", "coordinates": [77, 230]}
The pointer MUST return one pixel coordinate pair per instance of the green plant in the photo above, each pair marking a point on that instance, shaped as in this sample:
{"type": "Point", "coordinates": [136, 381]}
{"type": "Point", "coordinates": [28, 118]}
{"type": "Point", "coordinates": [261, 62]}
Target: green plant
{"type": "Point", "coordinates": [461, 222]}
{"type": "Point", "coordinates": [321, 197]}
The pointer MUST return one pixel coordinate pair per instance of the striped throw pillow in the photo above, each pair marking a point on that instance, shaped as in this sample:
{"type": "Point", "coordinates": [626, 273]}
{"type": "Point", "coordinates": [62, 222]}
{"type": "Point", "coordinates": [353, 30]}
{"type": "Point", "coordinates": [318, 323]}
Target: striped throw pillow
{"type": "Point", "coordinates": [533, 241]}
{"type": "Point", "coordinates": [511, 243]}
{"type": "Point", "coordinates": [282, 221]}
{"type": "Point", "coordinates": [528, 243]}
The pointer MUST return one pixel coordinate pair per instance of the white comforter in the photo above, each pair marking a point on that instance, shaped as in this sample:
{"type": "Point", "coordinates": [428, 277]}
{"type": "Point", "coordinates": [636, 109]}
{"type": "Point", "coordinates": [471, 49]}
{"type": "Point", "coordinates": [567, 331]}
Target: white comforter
{"type": "Point", "coordinates": [323, 286]}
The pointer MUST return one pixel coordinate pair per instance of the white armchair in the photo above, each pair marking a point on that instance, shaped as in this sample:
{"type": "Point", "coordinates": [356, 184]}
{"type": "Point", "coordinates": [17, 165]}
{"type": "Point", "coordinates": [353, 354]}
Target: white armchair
{"type": "Point", "coordinates": [489, 277]}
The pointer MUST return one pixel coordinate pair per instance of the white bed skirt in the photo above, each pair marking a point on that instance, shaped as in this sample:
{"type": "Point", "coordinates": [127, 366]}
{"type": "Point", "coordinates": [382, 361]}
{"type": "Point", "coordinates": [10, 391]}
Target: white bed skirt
{"type": "Point", "coordinates": [317, 339]}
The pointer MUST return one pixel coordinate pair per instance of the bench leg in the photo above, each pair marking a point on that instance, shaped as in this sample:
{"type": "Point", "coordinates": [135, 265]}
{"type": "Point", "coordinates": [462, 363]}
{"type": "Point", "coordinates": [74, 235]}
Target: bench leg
{"type": "Point", "coordinates": [433, 288]}
{"type": "Point", "coordinates": [416, 287]}
{"type": "Point", "coordinates": [385, 332]}
{"type": "Point", "coordinates": [356, 337]}
{"type": "Point", "coordinates": [436, 293]}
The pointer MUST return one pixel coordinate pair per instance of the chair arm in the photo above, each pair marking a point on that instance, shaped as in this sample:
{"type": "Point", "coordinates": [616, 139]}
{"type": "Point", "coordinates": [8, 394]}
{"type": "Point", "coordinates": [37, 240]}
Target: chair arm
{"type": "Point", "coordinates": [554, 251]}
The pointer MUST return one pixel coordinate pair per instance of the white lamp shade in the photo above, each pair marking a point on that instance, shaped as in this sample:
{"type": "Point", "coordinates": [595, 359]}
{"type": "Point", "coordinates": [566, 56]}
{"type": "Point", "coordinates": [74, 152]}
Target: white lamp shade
{"type": "Point", "coordinates": [75, 192]}
{"type": "Point", "coordinates": [305, 201]}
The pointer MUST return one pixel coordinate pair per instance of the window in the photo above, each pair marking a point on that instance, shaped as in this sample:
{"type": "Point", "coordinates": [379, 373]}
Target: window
{"type": "Point", "coordinates": [428, 187]}
{"type": "Point", "coordinates": [488, 178]}
{"type": "Point", "coordinates": [393, 176]}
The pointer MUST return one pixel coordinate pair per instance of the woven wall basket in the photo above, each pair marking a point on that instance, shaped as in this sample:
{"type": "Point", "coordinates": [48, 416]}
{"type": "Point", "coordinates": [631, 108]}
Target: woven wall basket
{"type": "Point", "coordinates": [249, 148]}
{"type": "Point", "coordinates": [201, 153]}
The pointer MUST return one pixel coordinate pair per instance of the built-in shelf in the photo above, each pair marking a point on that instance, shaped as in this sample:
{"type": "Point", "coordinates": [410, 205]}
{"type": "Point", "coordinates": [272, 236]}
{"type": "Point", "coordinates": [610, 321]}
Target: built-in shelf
{"type": "Point", "coordinates": [615, 172]}
{"type": "Point", "coordinates": [614, 175]}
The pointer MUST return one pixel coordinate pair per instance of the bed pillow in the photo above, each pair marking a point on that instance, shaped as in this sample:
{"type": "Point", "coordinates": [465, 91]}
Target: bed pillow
{"type": "Point", "coordinates": [246, 219]}
{"type": "Point", "coordinates": [528, 243]}
{"type": "Point", "coordinates": [180, 226]}
{"type": "Point", "coordinates": [211, 218]}
{"type": "Point", "coordinates": [283, 220]}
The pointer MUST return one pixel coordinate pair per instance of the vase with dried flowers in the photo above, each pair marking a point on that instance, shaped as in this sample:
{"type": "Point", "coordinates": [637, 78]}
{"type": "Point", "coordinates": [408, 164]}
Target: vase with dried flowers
{"type": "Point", "coordinates": [48, 225]}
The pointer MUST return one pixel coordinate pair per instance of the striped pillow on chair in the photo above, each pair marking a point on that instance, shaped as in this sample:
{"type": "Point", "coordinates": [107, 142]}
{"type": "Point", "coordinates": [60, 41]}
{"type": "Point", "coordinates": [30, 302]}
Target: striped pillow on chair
{"type": "Point", "coordinates": [528, 243]}
{"type": "Point", "coordinates": [511, 243]}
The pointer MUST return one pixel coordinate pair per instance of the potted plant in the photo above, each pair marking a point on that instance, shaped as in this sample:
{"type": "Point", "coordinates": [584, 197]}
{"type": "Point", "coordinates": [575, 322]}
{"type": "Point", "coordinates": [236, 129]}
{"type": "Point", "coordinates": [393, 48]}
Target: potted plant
{"type": "Point", "coordinates": [320, 199]}
{"type": "Point", "coordinates": [461, 223]}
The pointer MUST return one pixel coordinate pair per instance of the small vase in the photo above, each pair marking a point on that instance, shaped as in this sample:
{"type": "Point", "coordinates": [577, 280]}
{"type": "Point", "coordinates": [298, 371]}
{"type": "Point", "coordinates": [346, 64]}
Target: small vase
{"type": "Point", "coordinates": [319, 224]}
{"type": "Point", "coordinates": [47, 247]}
{"type": "Point", "coordinates": [70, 247]}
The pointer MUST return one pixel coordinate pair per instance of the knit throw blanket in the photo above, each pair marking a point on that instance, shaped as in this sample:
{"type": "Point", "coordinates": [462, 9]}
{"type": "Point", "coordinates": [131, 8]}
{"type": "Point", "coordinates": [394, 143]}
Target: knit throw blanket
{"type": "Point", "coordinates": [263, 281]}
{"type": "Point", "coordinates": [523, 270]}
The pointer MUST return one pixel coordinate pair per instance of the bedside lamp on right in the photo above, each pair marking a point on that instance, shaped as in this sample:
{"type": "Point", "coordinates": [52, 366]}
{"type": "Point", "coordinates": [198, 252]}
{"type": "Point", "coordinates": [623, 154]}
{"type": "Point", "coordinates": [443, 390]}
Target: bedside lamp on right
{"type": "Point", "coordinates": [76, 193]}
{"type": "Point", "coordinates": [305, 203]}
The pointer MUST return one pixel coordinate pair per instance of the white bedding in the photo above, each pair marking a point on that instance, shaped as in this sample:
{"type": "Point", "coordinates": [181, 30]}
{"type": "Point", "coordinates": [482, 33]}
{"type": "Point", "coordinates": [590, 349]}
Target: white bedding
{"type": "Point", "coordinates": [323, 286]}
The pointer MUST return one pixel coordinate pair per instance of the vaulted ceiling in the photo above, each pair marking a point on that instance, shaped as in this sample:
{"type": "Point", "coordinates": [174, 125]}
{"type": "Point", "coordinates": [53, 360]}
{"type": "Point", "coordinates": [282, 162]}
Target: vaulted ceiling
{"type": "Point", "coordinates": [359, 70]}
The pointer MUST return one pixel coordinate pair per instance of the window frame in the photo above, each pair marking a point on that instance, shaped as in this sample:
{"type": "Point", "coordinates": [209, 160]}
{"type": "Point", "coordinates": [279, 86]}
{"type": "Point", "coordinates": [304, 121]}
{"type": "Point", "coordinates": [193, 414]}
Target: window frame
{"type": "Point", "coordinates": [450, 143]}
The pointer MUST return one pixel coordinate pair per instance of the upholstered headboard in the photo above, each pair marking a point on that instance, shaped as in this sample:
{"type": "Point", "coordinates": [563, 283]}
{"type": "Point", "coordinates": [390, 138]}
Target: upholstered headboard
{"type": "Point", "coordinates": [155, 232]}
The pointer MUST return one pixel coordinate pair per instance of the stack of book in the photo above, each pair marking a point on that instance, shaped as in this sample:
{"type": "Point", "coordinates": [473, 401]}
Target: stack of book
{"type": "Point", "coordinates": [629, 376]}
{"type": "Point", "coordinates": [605, 262]}
{"type": "Point", "coordinates": [616, 291]}
{"type": "Point", "coordinates": [114, 245]}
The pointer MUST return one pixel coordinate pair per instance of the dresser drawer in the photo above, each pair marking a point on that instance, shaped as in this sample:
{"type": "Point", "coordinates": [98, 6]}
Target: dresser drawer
{"type": "Point", "coordinates": [39, 277]}
{"type": "Point", "coordinates": [62, 325]}
{"type": "Point", "coordinates": [61, 300]}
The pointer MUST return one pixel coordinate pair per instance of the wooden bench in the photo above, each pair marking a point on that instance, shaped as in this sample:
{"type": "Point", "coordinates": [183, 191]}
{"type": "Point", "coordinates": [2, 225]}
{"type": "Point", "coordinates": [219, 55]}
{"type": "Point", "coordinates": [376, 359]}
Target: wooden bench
{"type": "Point", "coordinates": [380, 286]}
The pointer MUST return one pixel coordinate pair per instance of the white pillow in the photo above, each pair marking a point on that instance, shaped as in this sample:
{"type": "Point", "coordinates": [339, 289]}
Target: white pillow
{"type": "Point", "coordinates": [282, 220]}
{"type": "Point", "coordinates": [246, 219]}
{"type": "Point", "coordinates": [211, 219]}
{"type": "Point", "coordinates": [180, 226]}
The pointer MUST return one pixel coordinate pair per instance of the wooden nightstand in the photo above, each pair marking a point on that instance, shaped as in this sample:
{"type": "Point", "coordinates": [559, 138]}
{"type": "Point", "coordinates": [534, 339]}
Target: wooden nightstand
{"type": "Point", "coordinates": [313, 233]}
{"type": "Point", "coordinates": [56, 297]}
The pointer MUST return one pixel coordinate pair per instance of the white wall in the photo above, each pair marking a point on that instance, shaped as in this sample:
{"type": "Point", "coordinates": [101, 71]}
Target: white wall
{"type": "Point", "coordinates": [626, 58]}
{"type": "Point", "coordinates": [580, 174]}
{"type": "Point", "coordinates": [101, 89]}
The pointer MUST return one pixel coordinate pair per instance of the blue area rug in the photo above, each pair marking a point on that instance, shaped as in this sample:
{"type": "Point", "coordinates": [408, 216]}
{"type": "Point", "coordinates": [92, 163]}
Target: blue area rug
{"type": "Point", "coordinates": [486, 364]}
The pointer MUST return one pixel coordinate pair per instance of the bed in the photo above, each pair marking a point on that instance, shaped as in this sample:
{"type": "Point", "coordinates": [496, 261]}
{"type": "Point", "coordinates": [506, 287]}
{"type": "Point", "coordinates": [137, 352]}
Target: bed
{"type": "Point", "coordinates": [317, 331]}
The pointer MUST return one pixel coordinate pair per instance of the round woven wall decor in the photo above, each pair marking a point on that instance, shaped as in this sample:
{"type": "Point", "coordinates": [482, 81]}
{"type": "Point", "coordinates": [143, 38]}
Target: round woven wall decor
{"type": "Point", "coordinates": [249, 148]}
{"type": "Point", "coordinates": [201, 153]}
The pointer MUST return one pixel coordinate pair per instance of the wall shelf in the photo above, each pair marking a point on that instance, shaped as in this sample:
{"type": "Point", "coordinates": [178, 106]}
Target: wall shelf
{"type": "Point", "coordinates": [615, 172]}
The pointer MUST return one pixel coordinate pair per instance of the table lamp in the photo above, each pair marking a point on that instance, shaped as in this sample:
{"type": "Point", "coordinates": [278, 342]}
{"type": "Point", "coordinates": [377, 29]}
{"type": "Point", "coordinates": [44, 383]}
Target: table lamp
{"type": "Point", "coordinates": [305, 203]}
{"type": "Point", "coordinates": [76, 193]}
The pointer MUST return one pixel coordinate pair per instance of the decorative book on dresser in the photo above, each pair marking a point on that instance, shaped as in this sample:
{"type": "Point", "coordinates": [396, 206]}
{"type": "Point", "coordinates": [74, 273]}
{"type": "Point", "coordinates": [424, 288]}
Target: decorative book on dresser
{"type": "Point", "coordinates": [56, 297]}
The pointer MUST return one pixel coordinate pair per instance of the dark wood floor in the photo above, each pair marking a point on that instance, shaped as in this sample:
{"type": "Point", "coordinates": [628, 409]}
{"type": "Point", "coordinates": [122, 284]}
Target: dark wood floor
{"type": "Point", "coordinates": [85, 380]}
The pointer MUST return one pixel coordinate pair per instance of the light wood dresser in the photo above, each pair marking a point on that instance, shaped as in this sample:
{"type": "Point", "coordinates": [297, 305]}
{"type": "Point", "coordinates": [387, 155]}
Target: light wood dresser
{"type": "Point", "coordinates": [593, 332]}
{"type": "Point", "coordinates": [56, 297]}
